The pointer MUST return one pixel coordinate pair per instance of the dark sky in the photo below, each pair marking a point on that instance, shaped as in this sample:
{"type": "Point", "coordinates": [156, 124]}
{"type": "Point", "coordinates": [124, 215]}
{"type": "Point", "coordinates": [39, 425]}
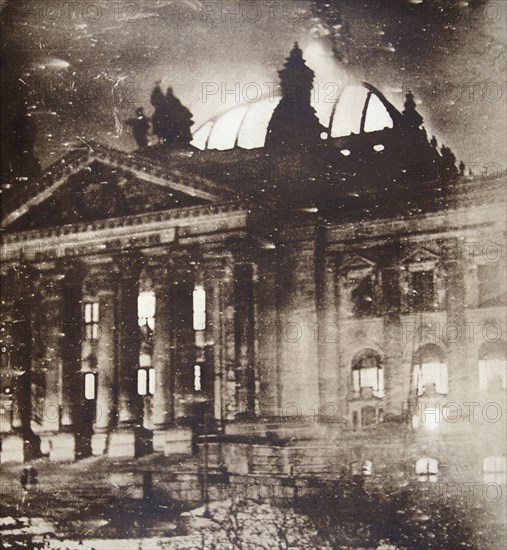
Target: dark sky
{"type": "Point", "coordinates": [82, 67]}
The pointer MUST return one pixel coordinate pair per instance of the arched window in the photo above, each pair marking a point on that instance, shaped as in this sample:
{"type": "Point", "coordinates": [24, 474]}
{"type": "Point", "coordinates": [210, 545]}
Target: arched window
{"type": "Point", "coordinates": [495, 469]}
{"type": "Point", "coordinates": [427, 469]}
{"type": "Point", "coordinates": [492, 366]}
{"type": "Point", "coordinates": [430, 371]}
{"type": "Point", "coordinates": [367, 372]}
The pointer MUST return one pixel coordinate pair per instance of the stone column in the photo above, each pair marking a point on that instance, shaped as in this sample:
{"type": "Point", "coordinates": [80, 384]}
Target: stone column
{"type": "Point", "coordinates": [129, 402]}
{"type": "Point", "coordinates": [455, 328]}
{"type": "Point", "coordinates": [230, 406]}
{"type": "Point", "coordinates": [245, 339]}
{"type": "Point", "coordinates": [48, 358]}
{"type": "Point", "coordinates": [327, 334]}
{"type": "Point", "coordinates": [18, 440]}
{"type": "Point", "coordinates": [397, 380]}
{"type": "Point", "coordinates": [101, 286]}
{"type": "Point", "coordinates": [63, 444]}
{"type": "Point", "coordinates": [71, 338]}
{"type": "Point", "coordinates": [129, 438]}
{"type": "Point", "coordinates": [163, 358]}
{"type": "Point", "coordinates": [214, 333]}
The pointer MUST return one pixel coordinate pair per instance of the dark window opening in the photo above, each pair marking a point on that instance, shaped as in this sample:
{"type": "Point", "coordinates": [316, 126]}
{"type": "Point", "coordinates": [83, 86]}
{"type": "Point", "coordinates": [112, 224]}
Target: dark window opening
{"type": "Point", "coordinates": [363, 298]}
{"type": "Point", "coordinates": [422, 290]}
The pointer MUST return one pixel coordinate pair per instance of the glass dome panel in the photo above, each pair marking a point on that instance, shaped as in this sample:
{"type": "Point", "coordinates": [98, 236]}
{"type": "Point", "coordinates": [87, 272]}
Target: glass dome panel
{"type": "Point", "coordinates": [226, 128]}
{"type": "Point", "coordinates": [377, 117]}
{"type": "Point", "coordinates": [349, 110]}
{"type": "Point", "coordinates": [201, 135]}
{"type": "Point", "coordinates": [248, 124]}
{"type": "Point", "coordinates": [255, 124]}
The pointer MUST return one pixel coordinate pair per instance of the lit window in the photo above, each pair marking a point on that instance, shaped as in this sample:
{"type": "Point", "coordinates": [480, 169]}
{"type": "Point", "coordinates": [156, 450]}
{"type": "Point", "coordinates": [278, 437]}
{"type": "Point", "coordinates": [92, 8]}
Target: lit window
{"type": "Point", "coordinates": [146, 381]}
{"type": "Point", "coordinates": [197, 378]}
{"type": "Point", "coordinates": [146, 309]}
{"type": "Point", "coordinates": [367, 372]}
{"type": "Point", "coordinates": [430, 371]}
{"type": "Point", "coordinates": [494, 469]}
{"type": "Point", "coordinates": [427, 469]}
{"type": "Point", "coordinates": [492, 366]}
{"type": "Point", "coordinates": [199, 308]}
{"type": "Point", "coordinates": [422, 290]}
{"type": "Point", "coordinates": [362, 468]}
{"type": "Point", "coordinates": [90, 386]}
{"type": "Point", "coordinates": [91, 319]}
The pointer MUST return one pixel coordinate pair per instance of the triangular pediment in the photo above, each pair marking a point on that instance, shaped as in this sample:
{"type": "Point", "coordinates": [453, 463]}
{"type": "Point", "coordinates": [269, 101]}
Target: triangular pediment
{"type": "Point", "coordinates": [103, 184]}
{"type": "Point", "coordinates": [356, 263]}
{"type": "Point", "coordinates": [419, 256]}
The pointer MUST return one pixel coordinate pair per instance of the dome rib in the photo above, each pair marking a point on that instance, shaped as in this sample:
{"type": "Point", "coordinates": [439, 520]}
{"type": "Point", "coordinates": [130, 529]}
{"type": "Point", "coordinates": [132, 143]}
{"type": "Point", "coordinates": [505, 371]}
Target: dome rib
{"type": "Point", "coordinates": [236, 129]}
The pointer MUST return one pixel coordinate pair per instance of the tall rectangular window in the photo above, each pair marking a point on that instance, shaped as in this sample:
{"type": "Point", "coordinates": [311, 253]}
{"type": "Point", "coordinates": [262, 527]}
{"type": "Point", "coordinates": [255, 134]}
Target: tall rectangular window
{"type": "Point", "coordinates": [146, 381]}
{"type": "Point", "coordinates": [90, 386]}
{"type": "Point", "coordinates": [197, 378]}
{"type": "Point", "coordinates": [422, 290]}
{"type": "Point", "coordinates": [91, 321]}
{"type": "Point", "coordinates": [199, 308]}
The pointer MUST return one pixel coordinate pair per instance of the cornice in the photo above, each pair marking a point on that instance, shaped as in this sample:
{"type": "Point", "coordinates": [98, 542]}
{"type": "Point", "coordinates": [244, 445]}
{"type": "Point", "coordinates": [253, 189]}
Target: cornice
{"type": "Point", "coordinates": [141, 167]}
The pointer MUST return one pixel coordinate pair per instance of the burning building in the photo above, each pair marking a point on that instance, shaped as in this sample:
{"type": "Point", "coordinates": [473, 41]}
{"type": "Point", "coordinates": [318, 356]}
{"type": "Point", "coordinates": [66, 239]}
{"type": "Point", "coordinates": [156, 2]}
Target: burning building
{"type": "Point", "coordinates": [333, 299]}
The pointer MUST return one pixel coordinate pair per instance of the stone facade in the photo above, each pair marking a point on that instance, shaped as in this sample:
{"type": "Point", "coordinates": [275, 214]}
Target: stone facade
{"type": "Point", "coordinates": [367, 323]}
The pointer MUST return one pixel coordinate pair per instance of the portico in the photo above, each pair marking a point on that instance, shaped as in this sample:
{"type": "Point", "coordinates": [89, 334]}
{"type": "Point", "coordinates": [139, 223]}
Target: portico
{"type": "Point", "coordinates": [109, 383]}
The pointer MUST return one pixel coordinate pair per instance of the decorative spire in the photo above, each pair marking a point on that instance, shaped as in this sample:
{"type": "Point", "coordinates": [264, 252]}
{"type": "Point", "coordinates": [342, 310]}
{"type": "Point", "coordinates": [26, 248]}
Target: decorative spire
{"type": "Point", "coordinates": [294, 121]}
{"type": "Point", "coordinates": [412, 117]}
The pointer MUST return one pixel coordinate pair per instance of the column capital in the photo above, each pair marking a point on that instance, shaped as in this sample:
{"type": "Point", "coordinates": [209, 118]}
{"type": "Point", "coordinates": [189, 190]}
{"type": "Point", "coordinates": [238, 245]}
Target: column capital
{"type": "Point", "coordinates": [101, 278]}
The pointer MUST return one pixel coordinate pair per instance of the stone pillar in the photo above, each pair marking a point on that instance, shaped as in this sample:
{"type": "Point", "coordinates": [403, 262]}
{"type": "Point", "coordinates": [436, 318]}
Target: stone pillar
{"type": "Point", "coordinates": [101, 286]}
{"type": "Point", "coordinates": [245, 339]}
{"type": "Point", "coordinates": [129, 439]}
{"type": "Point", "coordinates": [71, 341]}
{"type": "Point", "coordinates": [64, 445]}
{"type": "Point", "coordinates": [214, 333]}
{"type": "Point", "coordinates": [163, 358]}
{"type": "Point", "coordinates": [18, 441]}
{"type": "Point", "coordinates": [230, 405]}
{"type": "Point", "coordinates": [455, 333]}
{"type": "Point", "coordinates": [327, 335]}
{"type": "Point", "coordinates": [49, 359]}
{"type": "Point", "coordinates": [129, 402]}
{"type": "Point", "coordinates": [397, 380]}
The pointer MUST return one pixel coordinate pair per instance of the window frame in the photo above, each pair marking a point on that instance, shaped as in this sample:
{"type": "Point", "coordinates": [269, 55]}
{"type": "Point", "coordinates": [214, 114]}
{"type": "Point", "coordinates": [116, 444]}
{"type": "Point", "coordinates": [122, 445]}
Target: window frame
{"type": "Point", "coordinates": [199, 308]}
{"type": "Point", "coordinates": [419, 301]}
{"type": "Point", "coordinates": [430, 471]}
{"type": "Point", "coordinates": [498, 472]}
{"type": "Point", "coordinates": [86, 376]}
{"type": "Point", "coordinates": [149, 383]}
{"type": "Point", "coordinates": [91, 321]}
{"type": "Point", "coordinates": [379, 390]}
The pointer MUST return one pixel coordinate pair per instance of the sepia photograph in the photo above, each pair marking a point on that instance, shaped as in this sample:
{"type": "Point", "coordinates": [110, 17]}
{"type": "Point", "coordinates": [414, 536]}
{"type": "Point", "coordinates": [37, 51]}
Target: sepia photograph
{"type": "Point", "coordinates": [253, 275]}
